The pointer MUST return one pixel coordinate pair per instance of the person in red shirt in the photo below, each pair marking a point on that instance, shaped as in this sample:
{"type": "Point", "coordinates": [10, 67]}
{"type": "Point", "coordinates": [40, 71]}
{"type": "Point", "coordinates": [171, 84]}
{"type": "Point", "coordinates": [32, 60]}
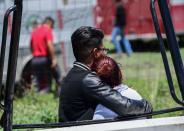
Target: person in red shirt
{"type": "Point", "coordinates": [44, 62]}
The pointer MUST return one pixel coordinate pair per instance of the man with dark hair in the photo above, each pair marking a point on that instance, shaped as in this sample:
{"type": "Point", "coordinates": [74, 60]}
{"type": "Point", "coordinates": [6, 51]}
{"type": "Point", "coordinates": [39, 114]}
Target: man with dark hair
{"type": "Point", "coordinates": [44, 62]}
{"type": "Point", "coordinates": [82, 89]}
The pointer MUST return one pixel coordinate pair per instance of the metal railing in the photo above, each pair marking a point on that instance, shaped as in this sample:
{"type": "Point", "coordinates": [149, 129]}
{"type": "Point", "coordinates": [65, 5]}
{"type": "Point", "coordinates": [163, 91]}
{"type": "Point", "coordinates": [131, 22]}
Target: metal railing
{"type": "Point", "coordinates": [173, 47]}
{"type": "Point", "coordinates": [6, 120]}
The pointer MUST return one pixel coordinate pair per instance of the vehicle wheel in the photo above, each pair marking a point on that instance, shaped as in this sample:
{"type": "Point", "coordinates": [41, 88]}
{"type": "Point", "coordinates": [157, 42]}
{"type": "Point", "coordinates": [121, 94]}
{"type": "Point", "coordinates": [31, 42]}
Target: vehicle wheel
{"type": "Point", "coordinates": [25, 82]}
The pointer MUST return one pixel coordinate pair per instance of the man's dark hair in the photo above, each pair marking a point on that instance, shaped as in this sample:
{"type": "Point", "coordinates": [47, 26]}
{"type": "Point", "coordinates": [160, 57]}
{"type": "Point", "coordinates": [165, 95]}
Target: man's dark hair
{"type": "Point", "coordinates": [84, 40]}
{"type": "Point", "coordinates": [48, 18]}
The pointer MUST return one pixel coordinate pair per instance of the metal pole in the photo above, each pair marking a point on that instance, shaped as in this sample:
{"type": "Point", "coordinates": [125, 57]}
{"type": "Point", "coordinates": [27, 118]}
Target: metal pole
{"type": "Point", "coordinates": [12, 64]}
{"type": "Point", "coordinates": [79, 123]}
{"type": "Point", "coordinates": [3, 44]}
{"type": "Point", "coordinates": [173, 44]}
{"type": "Point", "coordinates": [163, 53]}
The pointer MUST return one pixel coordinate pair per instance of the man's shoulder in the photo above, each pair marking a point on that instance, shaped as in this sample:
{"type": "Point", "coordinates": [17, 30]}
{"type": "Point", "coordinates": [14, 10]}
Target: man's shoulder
{"type": "Point", "coordinates": [91, 74]}
{"type": "Point", "coordinates": [34, 31]}
{"type": "Point", "coordinates": [91, 79]}
{"type": "Point", "coordinates": [75, 78]}
{"type": "Point", "coordinates": [37, 30]}
{"type": "Point", "coordinates": [78, 73]}
{"type": "Point", "coordinates": [45, 28]}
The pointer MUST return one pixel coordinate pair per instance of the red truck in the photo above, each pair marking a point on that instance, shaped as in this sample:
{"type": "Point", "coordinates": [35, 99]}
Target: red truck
{"type": "Point", "coordinates": [139, 21]}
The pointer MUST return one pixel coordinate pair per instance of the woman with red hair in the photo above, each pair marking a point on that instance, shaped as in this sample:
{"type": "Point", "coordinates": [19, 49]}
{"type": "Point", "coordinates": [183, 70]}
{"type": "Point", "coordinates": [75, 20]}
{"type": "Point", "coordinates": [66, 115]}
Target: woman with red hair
{"type": "Point", "coordinates": [109, 72]}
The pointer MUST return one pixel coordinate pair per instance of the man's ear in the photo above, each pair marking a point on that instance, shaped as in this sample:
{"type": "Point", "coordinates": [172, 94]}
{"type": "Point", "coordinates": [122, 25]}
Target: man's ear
{"type": "Point", "coordinates": [96, 53]}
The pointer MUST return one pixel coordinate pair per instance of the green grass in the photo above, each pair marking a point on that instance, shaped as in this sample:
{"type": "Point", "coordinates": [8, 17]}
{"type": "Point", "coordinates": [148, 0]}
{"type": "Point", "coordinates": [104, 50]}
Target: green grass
{"type": "Point", "coordinates": [36, 108]}
{"type": "Point", "coordinates": [145, 72]}
{"type": "Point", "coordinates": [142, 71]}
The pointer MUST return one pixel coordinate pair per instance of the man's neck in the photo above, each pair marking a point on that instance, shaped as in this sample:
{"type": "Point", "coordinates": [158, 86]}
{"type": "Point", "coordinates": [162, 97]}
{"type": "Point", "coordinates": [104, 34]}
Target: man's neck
{"type": "Point", "coordinates": [88, 64]}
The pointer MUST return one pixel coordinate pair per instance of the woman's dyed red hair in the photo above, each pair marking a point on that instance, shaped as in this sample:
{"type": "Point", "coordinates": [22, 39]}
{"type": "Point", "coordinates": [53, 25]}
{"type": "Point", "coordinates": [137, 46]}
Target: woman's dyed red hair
{"type": "Point", "coordinates": [108, 70]}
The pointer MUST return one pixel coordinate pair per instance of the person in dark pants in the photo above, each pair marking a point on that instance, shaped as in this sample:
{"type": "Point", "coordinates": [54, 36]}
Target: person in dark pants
{"type": "Point", "coordinates": [44, 62]}
{"type": "Point", "coordinates": [118, 30]}
{"type": "Point", "coordinates": [82, 89]}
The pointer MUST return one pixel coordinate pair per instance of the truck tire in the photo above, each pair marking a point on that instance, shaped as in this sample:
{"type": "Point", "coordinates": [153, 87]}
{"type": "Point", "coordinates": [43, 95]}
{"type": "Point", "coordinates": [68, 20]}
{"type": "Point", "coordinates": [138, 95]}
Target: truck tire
{"type": "Point", "coordinates": [25, 82]}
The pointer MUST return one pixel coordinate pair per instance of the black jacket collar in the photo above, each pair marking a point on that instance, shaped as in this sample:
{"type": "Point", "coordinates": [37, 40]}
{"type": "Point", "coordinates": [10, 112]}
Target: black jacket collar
{"type": "Point", "coordinates": [81, 65]}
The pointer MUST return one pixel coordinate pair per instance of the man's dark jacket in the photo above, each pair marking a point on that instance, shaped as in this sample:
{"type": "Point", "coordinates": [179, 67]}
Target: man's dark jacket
{"type": "Point", "coordinates": [82, 90]}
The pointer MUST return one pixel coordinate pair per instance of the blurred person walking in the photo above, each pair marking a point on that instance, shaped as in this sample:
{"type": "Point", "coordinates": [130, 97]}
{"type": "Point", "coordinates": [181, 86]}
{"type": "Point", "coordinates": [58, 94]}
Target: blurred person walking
{"type": "Point", "coordinates": [44, 62]}
{"type": "Point", "coordinates": [118, 29]}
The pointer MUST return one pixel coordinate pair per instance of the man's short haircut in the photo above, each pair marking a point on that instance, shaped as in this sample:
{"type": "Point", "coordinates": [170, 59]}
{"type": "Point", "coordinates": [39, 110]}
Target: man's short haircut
{"type": "Point", "coordinates": [84, 40]}
{"type": "Point", "coordinates": [48, 18]}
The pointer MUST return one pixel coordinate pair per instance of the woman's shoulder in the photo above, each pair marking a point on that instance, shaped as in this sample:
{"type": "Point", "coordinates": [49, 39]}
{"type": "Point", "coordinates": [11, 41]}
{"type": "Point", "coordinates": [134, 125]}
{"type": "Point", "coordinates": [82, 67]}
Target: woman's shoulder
{"type": "Point", "coordinates": [121, 87]}
{"type": "Point", "coordinates": [128, 92]}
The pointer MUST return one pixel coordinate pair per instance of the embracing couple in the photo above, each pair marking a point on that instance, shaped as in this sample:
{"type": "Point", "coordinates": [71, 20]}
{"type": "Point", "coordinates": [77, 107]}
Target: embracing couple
{"type": "Point", "coordinates": [92, 89]}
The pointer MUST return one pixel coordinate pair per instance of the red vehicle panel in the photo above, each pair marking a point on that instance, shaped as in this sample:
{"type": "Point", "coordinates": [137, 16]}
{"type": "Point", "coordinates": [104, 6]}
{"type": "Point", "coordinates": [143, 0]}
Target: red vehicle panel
{"type": "Point", "coordinates": [177, 12]}
{"type": "Point", "coordinates": [139, 20]}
